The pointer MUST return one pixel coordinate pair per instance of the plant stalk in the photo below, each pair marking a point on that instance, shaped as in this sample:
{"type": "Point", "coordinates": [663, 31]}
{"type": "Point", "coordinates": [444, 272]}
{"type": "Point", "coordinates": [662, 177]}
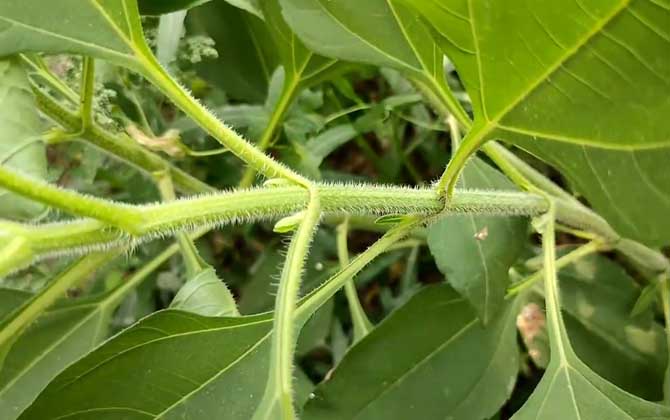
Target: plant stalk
{"type": "Point", "coordinates": [361, 324]}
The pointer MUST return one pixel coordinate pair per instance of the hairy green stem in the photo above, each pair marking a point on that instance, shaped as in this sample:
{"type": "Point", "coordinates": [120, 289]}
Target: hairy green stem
{"type": "Point", "coordinates": [361, 324]}
{"type": "Point", "coordinates": [278, 398]}
{"type": "Point", "coordinates": [188, 250]}
{"type": "Point", "coordinates": [261, 162]}
{"type": "Point", "coordinates": [119, 215]}
{"type": "Point", "coordinates": [274, 202]}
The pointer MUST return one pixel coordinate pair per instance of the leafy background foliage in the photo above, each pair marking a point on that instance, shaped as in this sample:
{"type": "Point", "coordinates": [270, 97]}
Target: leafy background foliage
{"type": "Point", "coordinates": [340, 91]}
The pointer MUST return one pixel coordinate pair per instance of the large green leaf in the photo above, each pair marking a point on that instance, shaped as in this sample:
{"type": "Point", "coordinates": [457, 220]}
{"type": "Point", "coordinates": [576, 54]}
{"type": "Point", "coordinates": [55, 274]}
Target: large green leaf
{"type": "Point", "coordinates": [591, 77]}
{"type": "Point", "coordinates": [476, 252]}
{"type": "Point", "coordinates": [597, 297]}
{"type": "Point", "coordinates": [107, 29]}
{"type": "Point", "coordinates": [247, 56]}
{"type": "Point", "coordinates": [454, 367]}
{"type": "Point", "coordinates": [20, 144]}
{"type": "Point", "coordinates": [379, 32]}
{"type": "Point", "coordinates": [171, 364]}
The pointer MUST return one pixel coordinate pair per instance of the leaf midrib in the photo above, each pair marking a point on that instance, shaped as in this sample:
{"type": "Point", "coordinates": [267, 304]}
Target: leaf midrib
{"type": "Point", "coordinates": [492, 123]}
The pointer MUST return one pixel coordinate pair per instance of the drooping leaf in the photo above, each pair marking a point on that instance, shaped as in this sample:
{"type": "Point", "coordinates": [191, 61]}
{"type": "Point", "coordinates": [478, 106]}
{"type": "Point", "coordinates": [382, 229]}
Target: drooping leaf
{"type": "Point", "coordinates": [597, 297]}
{"type": "Point", "coordinates": [106, 29]}
{"type": "Point", "coordinates": [205, 294]}
{"type": "Point", "coordinates": [21, 146]}
{"type": "Point", "coordinates": [581, 85]}
{"type": "Point", "coordinates": [454, 367]}
{"type": "Point", "coordinates": [476, 252]}
{"type": "Point", "coordinates": [170, 364]}
{"type": "Point", "coordinates": [247, 56]}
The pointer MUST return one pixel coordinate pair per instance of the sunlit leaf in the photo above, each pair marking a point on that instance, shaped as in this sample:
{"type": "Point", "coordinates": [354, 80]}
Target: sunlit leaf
{"type": "Point", "coordinates": [582, 85]}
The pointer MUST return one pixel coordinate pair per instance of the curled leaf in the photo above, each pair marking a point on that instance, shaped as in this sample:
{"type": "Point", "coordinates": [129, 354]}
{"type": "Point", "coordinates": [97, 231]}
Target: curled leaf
{"type": "Point", "coordinates": [289, 223]}
{"type": "Point", "coordinates": [206, 295]}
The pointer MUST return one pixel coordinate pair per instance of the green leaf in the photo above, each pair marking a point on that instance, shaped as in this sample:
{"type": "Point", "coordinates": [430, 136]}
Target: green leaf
{"type": "Point", "coordinates": [615, 182]}
{"type": "Point", "coordinates": [588, 77]}
{"type": "Point", "coordinates": [246, 55]}
{"type": "Point", "coordinates": [58, 338]}
{"type": "Point", "coordinates": [205, 294]}
{"type": "Point", "coordinates": [159, 7]}
{"type": "Point", "coordinates": [383, 377]}
{"type": "Point", "coordinates": [378, 32]}
{"type": "Point", "coordinates": [106, 29]}
{"type": "Point", "coordinates": [170, 364]}
{"type": "Point", "coordinates": [569, 389]}
{"type": "Point", "coordinates": [21, 146]}
{"type": "Point", "coordinates": [597, 297]}
{"type": "Point", "coordinates": [300, 63]}
{"type": "Point", "coordinates": [476, 252]}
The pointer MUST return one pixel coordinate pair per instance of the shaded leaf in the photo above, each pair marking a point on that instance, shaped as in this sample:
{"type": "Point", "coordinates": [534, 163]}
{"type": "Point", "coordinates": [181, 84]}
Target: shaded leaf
{"type": "Point", "coordinates": [58, 338]}
{"type": "Point", "coordinates": [597, 297]}
{"type": "Point", "coordinates": [21, 146]}
{"type": "Point", "coordinates": [476, 252]}
{"type": "Point", "coordinates": [454, 368]}
{"type": "Point", "coordinates": [569, 389]}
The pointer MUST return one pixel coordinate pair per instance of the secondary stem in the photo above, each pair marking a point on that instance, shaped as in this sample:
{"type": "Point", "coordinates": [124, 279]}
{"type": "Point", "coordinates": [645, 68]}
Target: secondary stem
{"type": "Point", "coordinates": [87, 93]}
{"type": "Point", "coordinates": [569, 258]}
{"type": "Point", "coordinates": [361, 323]}
{"type": "Point", "coordinates": [278, 113]}
{"type": "Point", "coordinates": [118, 145]}
{"type": "Point", "coordinates": [261, 162]}
{"type": "Point", "coordinates": [310, 303]}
